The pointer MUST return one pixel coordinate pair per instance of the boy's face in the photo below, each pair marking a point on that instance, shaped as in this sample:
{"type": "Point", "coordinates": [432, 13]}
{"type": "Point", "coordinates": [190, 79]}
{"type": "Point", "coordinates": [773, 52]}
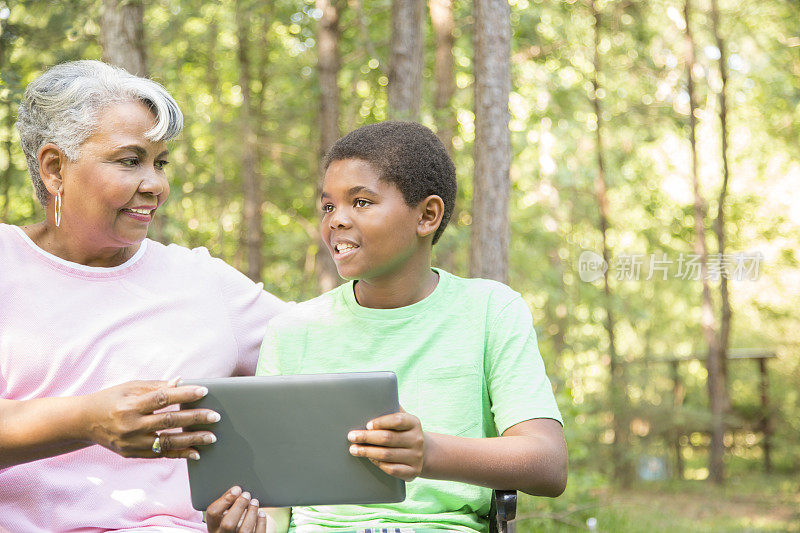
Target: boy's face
{"type": "Point", "coordinates": [367, 226]}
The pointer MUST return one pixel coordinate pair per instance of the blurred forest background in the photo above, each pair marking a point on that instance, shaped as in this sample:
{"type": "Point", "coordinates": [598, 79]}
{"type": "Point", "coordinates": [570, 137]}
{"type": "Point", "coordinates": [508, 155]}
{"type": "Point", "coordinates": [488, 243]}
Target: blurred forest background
{"type": "Point", "coordinates": [658, 135]}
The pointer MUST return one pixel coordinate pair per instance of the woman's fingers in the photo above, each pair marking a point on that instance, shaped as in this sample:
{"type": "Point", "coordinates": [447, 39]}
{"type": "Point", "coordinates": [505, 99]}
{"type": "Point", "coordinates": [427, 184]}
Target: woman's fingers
{"type": "Point", "coordinates": [177, 441]}
{"type": "Point", "coordinates": [164, 396]}
{"type": "Point", "coordinates": [184, 453]}
{"type": "Point", "coordinates": [172, 445]}
{"type": "Point", "coordinates": [179, 419]}
{"type": "Point", "coordinates": [121, 419]}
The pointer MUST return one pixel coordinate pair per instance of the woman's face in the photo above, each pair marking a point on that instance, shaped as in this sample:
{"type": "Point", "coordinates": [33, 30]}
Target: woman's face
{"type": "Point", "coordinates": [110, 193]}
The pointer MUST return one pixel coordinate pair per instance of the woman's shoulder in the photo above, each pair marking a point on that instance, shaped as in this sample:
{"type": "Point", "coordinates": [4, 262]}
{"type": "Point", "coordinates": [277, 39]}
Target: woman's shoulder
{"type": "Point", "coordinates": [13, 243]}
{"type": "Point", "coordinates": [9, 234]}
{"type": "Point", "coordinates": [198, 268]}
{"type": "Point", "coordinates": [321, 309]}
{"type": "Point", "coordinates": [180, 255]}
{"type": "Point", "coordinates": [191, 263]}
{"type": "Point", "coordinates": [173, 250]}
{"type": "Point", "coordinates": [7, 245]}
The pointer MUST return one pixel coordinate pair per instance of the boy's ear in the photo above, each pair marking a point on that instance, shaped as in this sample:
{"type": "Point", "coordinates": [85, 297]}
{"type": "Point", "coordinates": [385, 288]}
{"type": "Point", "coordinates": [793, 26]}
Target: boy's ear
{"type": "Point", "coordinates": [431, 210]}
{"type": "Point", "coordinates": [51, 159]}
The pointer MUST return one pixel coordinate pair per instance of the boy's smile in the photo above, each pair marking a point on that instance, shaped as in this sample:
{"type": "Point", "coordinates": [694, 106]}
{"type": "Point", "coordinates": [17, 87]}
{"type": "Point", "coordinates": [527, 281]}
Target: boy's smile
{"type": "Point", "coordinates": [343, 249]}
{"type": "Point", "coordinates": [367, 226]}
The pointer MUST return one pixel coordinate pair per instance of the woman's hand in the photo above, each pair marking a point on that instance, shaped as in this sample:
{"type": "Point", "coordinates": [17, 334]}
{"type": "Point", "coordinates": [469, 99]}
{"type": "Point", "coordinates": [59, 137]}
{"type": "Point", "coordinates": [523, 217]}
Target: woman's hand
{"type": "Point", "coordinates": [122, 419]}
{"type": "Point", "coordinates": [235, 511]}
{"type": "Point", "coordinates": [395, 443]}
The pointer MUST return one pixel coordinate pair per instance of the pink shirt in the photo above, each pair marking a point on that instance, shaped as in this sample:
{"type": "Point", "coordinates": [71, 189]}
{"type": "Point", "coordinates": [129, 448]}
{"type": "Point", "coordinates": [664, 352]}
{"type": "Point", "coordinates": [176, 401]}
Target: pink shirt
{"type": "Point", "coordinates": [68, 329]}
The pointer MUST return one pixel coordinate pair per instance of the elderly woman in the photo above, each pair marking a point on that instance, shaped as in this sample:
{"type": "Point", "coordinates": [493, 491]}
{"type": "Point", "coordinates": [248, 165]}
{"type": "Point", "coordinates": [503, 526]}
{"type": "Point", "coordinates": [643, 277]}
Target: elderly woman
{"type": "Point", "coordinates": [89, 305]}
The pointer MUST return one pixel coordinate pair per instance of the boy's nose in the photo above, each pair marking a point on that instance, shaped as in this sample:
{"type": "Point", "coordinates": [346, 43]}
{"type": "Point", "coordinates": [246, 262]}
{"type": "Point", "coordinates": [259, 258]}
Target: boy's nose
{"type": "Point", "coordinates": [339, 220]}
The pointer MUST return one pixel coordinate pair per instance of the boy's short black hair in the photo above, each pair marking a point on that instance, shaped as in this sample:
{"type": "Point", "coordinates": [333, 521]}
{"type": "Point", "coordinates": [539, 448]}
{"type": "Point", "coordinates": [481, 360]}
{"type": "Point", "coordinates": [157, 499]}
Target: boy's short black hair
{"type": "Point", "coordinates": [406, 154]}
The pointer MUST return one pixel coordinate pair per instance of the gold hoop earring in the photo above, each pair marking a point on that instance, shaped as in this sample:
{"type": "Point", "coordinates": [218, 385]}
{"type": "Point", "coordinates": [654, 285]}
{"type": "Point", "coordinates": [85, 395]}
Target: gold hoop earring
{"type": "Point", "coordinates": [58, 209]}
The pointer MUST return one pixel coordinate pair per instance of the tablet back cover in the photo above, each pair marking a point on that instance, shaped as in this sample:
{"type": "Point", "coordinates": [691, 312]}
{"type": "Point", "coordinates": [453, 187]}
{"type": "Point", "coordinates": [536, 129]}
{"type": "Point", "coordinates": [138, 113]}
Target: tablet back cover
{"type": "Point", "coordinates": [284, 439]}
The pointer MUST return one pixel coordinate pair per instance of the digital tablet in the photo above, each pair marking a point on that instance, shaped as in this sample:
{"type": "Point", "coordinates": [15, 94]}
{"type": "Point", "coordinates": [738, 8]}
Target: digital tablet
{"type": "Point", "coordinates": [284, 439]}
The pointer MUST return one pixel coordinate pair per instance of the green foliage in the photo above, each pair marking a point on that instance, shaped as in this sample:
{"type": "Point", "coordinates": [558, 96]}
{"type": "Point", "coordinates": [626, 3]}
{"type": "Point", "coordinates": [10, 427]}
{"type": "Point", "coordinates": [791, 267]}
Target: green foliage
{"type": "Point", "coordinates": [751, 503]}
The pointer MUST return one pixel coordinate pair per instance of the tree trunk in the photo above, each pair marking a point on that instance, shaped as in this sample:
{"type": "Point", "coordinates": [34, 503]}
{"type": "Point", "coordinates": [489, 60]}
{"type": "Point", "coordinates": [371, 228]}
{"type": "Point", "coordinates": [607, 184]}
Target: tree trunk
{"type": "Point", "coordinates": [122, 35]}
{"type": "Point", "coordinates": [251, 178]}
{"type": "Point", "coordinates": [220, 184]}
{"type": "Point", "coordinates": [405, 63]}
{"type": "Point", "coordinates": [707, 321]}
{"type": "Point", "coordinates": [719, 222]}
{"type": "Point", "coordinates": [623, 472]}
{"type": "Point", "coordinates": [443, 25]}
{"type": "Point", "coordinates": [491, 181]}
{"type": "Point", "coordinates": [328, 65]}
{"type": "Point", "coordinates": [678, 393]}
{"type": "Point", "coordinates": [122, 41]}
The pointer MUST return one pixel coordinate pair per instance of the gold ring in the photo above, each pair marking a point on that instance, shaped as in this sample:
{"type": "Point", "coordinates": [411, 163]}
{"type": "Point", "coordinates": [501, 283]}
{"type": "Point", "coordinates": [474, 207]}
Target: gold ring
{"type": "Point", "coordinates": [156, 445]}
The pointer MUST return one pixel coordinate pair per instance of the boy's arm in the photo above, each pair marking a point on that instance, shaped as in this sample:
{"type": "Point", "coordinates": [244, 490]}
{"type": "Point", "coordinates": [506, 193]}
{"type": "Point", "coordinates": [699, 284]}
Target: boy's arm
{"type": "Point", "coordinates": [530, 456]}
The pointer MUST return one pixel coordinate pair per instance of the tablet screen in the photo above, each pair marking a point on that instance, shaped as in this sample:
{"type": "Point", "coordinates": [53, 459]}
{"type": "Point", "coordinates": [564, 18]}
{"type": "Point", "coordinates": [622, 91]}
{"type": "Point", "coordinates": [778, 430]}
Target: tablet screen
{"type": "Point", "coordinates": [284, 439]}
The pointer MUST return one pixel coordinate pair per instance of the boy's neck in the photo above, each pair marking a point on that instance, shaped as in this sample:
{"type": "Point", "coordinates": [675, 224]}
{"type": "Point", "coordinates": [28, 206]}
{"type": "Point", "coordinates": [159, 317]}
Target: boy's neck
{"type": "Point", "coordinates": [405, 288]}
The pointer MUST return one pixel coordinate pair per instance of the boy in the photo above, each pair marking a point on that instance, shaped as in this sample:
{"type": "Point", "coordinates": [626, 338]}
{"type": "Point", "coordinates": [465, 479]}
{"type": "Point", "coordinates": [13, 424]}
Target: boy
{"type": "Point", "coordinates": [464, 350]}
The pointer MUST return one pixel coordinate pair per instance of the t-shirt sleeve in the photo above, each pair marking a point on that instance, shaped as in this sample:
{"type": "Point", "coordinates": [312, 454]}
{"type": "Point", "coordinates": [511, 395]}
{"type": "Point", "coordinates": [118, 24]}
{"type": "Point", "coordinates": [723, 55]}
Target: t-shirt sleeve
{"type": "Point", "coordinates": [268, 364]}
{"type": "Point", "coordinates": [519, 388]}
{"type": "Point", "coordinates": [249, 308]}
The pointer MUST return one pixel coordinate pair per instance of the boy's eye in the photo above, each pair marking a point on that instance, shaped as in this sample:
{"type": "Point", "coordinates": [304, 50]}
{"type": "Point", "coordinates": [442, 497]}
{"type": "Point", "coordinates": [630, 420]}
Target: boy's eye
{"type": "Point", "coordinates": [327, 208]}
{"type": "Point", "coordinates": [361, 203]}
{"type": "Point", "coordinates": [161, 164]}
{"type": "Point", "coordinates": [129, 161]}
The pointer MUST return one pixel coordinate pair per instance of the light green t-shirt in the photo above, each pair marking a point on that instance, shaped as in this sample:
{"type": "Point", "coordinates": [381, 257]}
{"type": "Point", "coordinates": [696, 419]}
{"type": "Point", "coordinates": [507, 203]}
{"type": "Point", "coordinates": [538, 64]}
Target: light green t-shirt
{"type": "Point", "coordinates": [467, 364]}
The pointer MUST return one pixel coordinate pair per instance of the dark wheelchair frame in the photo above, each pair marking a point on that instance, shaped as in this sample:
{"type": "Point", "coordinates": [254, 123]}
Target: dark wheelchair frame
{"type": "Point", "coordinates": [503, 511]}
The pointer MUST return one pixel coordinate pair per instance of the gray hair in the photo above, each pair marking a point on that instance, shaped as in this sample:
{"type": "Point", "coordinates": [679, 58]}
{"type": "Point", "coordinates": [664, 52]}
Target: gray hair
{"type": "Point", "coordinates": [62, 106]}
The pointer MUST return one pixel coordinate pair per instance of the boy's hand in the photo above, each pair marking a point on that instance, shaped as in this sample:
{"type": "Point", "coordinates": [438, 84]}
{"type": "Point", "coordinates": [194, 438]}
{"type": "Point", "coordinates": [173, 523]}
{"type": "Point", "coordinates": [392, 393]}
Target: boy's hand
{"type": "Point", "coordinates": [234, 511]}
{"type": "Point", "coordinates": [395, 443]}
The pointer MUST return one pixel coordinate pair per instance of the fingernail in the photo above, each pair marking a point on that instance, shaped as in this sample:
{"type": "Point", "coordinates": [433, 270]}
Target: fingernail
{"type": "Point", "coordinates": [369, 424]}
{"type": "Point", "coordinates": [210, 439]}
{"type": "Point", "coordinates": [174, 382]}
{"type": "Point", "coordinates": [213, 417]}
{"type": "Point", "coordinates": [246, 495]}
{"type": "Point", "coordinates": [351, 436]}
{"type": "Point", "coordinates": [195, 456]}
{"type": "Point", "coordinates": [236, 491]}
{"type": "Point", "coordinates": [254, 502]}
{"type": "Point", "coordinates": [353, 450]}
{"type": "Point", "coordinates": [201, 391]}
{"type": "Point", "coordinates": [262, 514]}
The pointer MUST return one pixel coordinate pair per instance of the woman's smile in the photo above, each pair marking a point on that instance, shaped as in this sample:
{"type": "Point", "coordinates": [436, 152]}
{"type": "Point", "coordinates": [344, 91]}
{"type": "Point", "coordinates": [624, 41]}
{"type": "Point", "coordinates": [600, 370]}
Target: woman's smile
{"type": "Point", "coordinates": [142, 214]}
